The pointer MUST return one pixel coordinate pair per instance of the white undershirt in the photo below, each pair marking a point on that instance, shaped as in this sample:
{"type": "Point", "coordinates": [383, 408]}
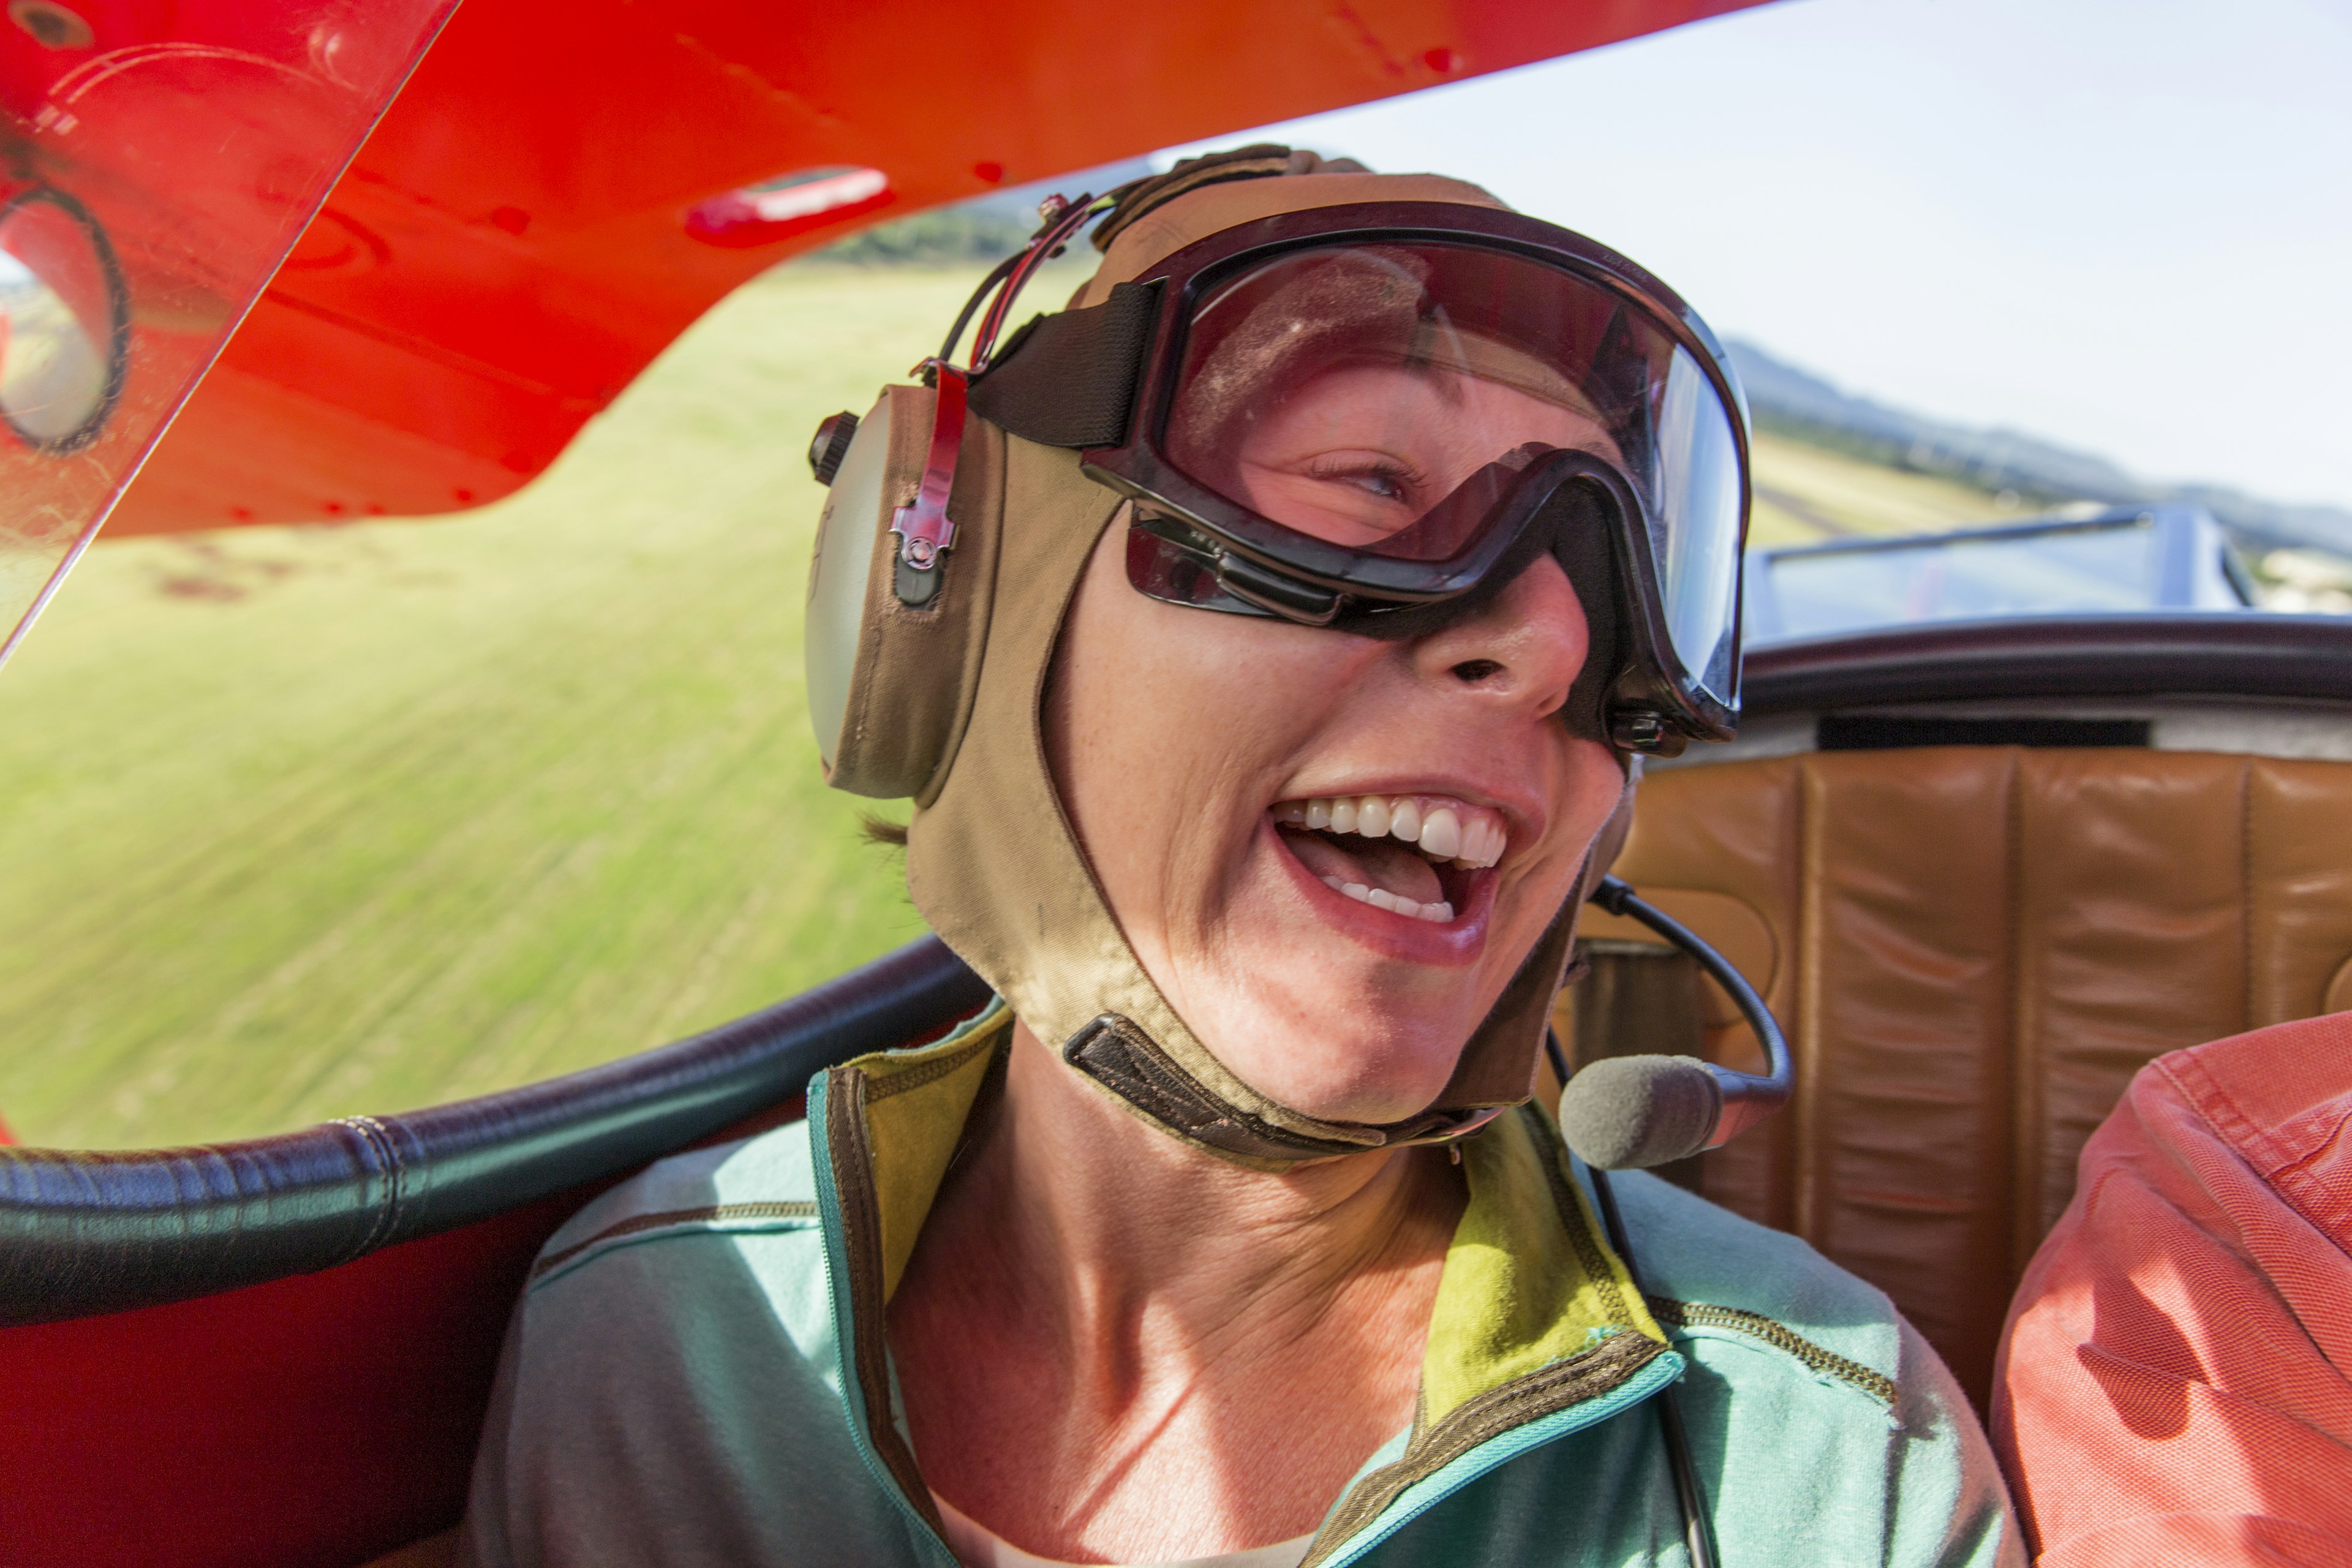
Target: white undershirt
{"type": "Point", "coordinates": [981, 1547]}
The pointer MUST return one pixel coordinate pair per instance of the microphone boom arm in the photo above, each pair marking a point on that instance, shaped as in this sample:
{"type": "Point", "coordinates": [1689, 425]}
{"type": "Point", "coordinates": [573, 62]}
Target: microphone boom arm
{"type": "Point", "coordinates": [1642, 1086]}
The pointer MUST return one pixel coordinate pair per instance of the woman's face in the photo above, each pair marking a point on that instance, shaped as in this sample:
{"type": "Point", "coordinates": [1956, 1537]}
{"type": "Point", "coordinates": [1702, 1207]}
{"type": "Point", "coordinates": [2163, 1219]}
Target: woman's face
{"type": "Point", "coordinates": [1331, 853]}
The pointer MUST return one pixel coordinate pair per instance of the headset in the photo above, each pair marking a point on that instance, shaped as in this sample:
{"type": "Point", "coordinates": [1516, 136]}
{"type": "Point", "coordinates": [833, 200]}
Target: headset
{"type": "Point", "coordinates": [889, 626]}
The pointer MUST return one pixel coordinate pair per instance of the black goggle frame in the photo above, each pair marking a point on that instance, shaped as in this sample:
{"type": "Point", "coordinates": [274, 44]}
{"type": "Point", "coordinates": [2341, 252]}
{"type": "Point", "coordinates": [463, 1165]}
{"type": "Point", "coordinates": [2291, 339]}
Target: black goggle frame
{"type": "Point", "coordinates": [1641, 713]}
{"type": "Point", "coordinates": [1266, 568]}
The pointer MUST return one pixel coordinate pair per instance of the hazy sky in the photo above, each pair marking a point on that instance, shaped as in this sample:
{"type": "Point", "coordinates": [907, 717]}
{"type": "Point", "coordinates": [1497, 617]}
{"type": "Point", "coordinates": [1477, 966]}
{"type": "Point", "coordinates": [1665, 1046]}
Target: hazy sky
{"type": "Point", "coordinates": [2125, 225]}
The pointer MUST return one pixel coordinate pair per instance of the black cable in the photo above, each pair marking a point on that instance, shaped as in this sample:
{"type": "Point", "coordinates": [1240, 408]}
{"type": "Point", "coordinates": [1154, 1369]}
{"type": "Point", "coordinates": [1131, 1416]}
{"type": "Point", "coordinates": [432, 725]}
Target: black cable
{"type": "Point", "coordinates": [1046, 244]}
{"type": "Point", "coordinates": [1780, 1074]}
{"type": "Point", "coordinates": [1697, 1537]}
{"type": "Point", "coordinates": [963, 318]}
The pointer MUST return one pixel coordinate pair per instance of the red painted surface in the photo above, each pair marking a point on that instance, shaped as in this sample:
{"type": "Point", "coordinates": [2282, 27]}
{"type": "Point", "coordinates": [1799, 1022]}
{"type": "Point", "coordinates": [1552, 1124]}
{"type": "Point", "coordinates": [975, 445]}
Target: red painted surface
{"type": "Point", "coordinates": [510, 248]}
{"type": "Point", "coordinates": [310, 1423]}
{"type": "Point", "coordinates": [315, 1422]}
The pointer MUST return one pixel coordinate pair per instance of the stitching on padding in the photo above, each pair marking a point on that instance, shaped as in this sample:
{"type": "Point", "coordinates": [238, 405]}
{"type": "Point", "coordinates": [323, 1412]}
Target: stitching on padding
{"type": "Point", "coordinates": [887, 1086]}
{"type": "Point", "coordinates": [1780, 1337]}
{"type": "Point", "coordinates": [795, 1208]}
{"type": "Point", "coordinates": [2025, 1059]}
{"type": "Point", "coordinates": [387, 1210]}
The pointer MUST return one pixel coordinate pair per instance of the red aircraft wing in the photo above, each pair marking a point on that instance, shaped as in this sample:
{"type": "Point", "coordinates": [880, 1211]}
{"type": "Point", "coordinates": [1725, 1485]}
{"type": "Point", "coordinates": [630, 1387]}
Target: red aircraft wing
{"type": "Point", "coordinates": [513, 245]}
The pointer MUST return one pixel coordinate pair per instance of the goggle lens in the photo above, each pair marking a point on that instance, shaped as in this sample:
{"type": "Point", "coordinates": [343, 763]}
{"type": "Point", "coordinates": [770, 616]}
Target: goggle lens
{"type": "Point", "coordinates": [1380, 398]}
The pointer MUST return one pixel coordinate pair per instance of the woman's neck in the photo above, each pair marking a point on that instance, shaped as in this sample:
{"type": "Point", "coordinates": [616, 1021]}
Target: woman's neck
{"type": "Point", "coordinates": [1113, 1344]}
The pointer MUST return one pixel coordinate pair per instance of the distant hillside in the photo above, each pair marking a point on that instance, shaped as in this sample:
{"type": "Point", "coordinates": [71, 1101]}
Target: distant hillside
{"type": "Point", "coordinates": [1797, 404]}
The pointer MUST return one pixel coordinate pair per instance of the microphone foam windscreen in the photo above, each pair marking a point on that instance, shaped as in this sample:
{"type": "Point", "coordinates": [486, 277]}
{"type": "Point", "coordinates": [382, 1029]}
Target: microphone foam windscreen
{"type": "Point", "coordinates": [1624, 1114]}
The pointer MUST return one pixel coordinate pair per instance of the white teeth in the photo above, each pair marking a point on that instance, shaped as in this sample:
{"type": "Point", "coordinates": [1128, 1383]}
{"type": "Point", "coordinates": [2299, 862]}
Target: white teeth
{"type": "Point", "coordinates": [1441, 833]}
{"type": "Point", "coordinates": [1482, 844]}
{"type": "Point", "coordinates": [1441, 912]}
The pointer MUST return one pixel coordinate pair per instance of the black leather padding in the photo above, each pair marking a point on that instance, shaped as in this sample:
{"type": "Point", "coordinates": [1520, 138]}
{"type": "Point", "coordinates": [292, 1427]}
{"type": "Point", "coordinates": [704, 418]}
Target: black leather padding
{"type": "Point", "coordinates": [2239, 654]}
{"type": "Point", "coordinates": [85, 1233]}
{"type": "Point", "coordinates": [1069, 379]}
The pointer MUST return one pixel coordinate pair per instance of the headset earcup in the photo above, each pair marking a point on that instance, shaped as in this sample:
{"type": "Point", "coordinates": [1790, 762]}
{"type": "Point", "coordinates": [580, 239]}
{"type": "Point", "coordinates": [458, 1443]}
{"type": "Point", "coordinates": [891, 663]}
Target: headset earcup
{"type": "Point", "coordinates": [857, 507]}
{"type": "Point", "coordinates": [891, 684]}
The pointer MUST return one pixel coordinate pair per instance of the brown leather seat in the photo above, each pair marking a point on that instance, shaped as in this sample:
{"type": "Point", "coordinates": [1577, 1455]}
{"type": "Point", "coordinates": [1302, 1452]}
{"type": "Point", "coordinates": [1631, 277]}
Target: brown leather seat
{"type": "Point", "coordinates": [1972, 949]}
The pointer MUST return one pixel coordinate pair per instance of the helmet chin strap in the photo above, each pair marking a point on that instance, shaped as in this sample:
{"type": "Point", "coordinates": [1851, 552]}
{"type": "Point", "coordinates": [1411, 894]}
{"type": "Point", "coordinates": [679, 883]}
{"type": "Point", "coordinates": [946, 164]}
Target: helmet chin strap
{"type": "Point", "coordinates": [1127, 1062]}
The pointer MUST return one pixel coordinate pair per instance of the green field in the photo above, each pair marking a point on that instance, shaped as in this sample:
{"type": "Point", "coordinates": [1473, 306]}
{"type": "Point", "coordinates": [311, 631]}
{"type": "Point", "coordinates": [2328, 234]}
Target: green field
{"type": "Point", "coordinates": [1805, 493]}
{"type": "Point", "coordinates": [298, 822]}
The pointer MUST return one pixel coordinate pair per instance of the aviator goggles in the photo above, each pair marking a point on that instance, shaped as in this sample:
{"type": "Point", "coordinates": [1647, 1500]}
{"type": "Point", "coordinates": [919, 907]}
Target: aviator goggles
{"type": "Point", "coordinates": [1369, 417]}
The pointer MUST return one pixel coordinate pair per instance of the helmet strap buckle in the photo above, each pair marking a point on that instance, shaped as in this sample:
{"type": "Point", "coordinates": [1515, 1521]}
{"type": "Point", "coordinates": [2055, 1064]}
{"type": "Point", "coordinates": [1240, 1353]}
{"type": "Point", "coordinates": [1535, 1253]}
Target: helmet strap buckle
{"type": "Point", "coordinates": [924, 529]}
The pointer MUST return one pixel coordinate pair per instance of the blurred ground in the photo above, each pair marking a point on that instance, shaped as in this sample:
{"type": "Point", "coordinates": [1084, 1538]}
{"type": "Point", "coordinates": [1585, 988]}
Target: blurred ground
{"type": "Point", "coordinates": [1807, 493]}
{"type": "Point", "coordinates": [300, 823]}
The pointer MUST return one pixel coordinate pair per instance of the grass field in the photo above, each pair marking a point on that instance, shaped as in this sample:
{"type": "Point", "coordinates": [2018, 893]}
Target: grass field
{"type": "Point", "coordinates": [298, 822]}
{"type": "Point", "coordinates": [1805, 493]}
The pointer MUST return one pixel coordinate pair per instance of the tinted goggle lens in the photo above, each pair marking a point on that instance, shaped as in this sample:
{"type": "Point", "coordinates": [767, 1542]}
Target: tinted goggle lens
{"type": "Point", "coordinates": [1379, 400]}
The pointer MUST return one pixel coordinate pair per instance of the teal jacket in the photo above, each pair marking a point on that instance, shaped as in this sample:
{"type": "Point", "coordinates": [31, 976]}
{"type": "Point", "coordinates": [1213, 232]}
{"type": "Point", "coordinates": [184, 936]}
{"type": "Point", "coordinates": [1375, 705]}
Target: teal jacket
{"type": "Point", "coordinates": [697, 1375]}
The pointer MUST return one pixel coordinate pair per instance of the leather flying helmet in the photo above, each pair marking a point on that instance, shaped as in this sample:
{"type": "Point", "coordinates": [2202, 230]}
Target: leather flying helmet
{"type": "Point", "coordinates": [962, 513]}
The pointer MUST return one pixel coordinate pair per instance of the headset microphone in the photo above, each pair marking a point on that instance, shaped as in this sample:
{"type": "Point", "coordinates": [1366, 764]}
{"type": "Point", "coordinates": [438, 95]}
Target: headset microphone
{"type": "Point", "coordinates": [1630, 1112]}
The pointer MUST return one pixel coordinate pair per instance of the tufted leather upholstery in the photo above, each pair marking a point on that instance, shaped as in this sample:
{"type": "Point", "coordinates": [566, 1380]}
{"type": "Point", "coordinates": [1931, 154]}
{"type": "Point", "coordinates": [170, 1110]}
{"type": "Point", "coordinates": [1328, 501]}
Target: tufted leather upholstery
{"type": "Point", "coordinates": [1972, 950]}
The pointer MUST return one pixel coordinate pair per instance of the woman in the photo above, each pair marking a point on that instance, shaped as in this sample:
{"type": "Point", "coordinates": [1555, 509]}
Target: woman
{"type": "Point", "coordinates": [1229, 1235]}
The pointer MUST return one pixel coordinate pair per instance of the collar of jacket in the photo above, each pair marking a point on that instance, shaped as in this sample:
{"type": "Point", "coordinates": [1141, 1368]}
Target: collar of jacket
{"type": "Point", "coordinates": [1538, 1330]}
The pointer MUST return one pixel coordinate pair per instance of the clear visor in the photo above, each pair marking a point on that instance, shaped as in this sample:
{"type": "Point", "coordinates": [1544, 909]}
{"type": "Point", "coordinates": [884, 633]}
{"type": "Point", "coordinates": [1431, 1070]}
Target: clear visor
{"type": "Point", "coordinates": [1381, 398]}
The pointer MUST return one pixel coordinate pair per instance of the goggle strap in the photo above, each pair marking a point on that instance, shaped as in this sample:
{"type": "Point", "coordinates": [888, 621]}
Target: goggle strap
{"type": "Point", "coordinates": [1069, 379]}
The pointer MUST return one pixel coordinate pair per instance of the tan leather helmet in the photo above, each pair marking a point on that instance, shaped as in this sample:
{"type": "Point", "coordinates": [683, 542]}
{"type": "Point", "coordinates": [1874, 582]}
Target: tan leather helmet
{"type": "Point", "coordinates": [940, 700]}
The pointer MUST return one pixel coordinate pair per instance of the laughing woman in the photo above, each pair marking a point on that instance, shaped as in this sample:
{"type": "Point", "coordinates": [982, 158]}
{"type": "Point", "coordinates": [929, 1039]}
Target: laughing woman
{"type": "Point", "coordinates": [1261, 757]}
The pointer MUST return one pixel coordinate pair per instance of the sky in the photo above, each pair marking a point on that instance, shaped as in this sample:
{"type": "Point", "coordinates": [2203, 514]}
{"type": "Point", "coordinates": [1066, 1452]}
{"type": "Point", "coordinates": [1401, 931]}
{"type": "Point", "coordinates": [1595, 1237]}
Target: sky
{"type": "Point", "coordinates": [2121, 224]}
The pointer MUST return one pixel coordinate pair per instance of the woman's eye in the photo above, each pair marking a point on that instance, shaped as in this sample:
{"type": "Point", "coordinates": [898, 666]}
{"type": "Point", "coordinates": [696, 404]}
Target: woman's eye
{"type": "Point", "coordinates": [1387, 482]}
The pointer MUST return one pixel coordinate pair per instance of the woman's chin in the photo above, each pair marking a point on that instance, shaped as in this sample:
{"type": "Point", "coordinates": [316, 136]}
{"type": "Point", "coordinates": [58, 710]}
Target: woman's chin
{"type": "Point", "coordinates": [1373, 1109]}
{"type": "Point", "coordinates": [1341, 1078]}
{"type": "Point", "coordinates": [1327, 1026]}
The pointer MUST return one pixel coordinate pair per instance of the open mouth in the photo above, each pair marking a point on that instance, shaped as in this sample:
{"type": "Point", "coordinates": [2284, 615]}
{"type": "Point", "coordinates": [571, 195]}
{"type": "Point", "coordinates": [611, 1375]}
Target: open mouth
{"type": "Point", "coordinates": [1413, 855]}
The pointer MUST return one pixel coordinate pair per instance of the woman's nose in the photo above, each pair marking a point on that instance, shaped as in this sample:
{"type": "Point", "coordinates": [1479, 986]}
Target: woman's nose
{"type": "Point", "coordinates": [1524, 648]}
